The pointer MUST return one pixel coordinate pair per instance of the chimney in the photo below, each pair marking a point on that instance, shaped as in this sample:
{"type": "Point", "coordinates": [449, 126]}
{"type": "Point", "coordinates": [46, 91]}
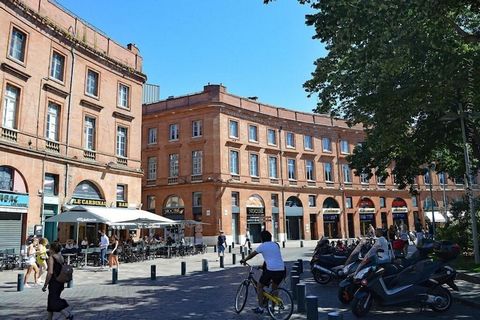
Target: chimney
{"type": "Point", "coordinates": [132, 47]}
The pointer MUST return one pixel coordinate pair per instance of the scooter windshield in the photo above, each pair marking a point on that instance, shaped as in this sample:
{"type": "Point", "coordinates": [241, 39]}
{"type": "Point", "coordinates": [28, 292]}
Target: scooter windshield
{"type": "Point", "coordinates": [355, 253]}
{"type": "Point", "coordinates": [369, 259]}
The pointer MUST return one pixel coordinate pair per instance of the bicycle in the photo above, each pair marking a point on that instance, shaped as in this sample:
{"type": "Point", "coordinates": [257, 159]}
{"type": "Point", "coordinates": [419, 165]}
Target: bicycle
{"type": "Point", "coordinates": [279, 301]}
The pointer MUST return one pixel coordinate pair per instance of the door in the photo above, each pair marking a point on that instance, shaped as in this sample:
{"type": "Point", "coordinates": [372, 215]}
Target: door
{"type": "Point", "coordinates": [351, 227]}
{"type": "Point", "coordinates": [235, 228]}
{"type": "Point", "coordinates": [293, 228]}
{"type": "Point", "coordinates": [313, 227]}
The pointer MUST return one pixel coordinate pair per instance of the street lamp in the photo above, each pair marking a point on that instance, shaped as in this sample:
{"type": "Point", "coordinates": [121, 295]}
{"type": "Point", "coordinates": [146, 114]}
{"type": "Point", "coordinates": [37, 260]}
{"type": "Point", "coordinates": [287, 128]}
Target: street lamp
{"type": "Point", "coordinates": [469, 182]}
{"type": "Point", "coordinates": [431, 167]}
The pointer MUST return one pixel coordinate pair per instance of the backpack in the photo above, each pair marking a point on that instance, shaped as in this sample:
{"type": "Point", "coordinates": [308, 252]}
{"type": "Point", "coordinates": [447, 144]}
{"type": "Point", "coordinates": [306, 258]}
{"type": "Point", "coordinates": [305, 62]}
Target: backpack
{"type": "Point", "coordinates": [66, 274]}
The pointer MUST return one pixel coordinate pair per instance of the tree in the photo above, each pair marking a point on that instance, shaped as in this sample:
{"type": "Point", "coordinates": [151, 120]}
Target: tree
{"type": "Point", "coordinates": [397, 67]}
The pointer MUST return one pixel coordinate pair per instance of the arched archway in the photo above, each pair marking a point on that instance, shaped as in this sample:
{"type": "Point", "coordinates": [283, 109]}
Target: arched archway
{"type": "Point", "coordinates": [174, 207]}
{"type": "Point", "coordinates": [400, 213]}
{"type": "Point", "coordinates": [88, 193]}
{"type": "Point", "coordinates": [255, 217]}
{"type": "Point", "coordinates": [331, 218]}
{"type": "Point", "coordinates": [294, 218]}
{"type": "Point", "coordinates": [366, 209]}
{"type": "Point", "coordinates": [12, 180]}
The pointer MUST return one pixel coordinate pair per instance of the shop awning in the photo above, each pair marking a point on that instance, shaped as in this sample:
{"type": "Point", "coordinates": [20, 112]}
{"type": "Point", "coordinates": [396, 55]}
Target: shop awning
{"type": "Point", "coordinates": [438, 216]}
{"type": "Point", "coordinates": [110, 216]}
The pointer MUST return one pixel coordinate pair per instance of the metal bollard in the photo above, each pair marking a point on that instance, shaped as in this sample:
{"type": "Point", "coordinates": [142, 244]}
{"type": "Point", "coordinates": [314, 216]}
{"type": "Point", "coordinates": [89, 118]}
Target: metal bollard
{"type": "Point", "coordinates": [300, 264]}
{"type": "Point", "coordinates": [221, 262]}
{"type": "Point", "coordinates": [312, 307]}
{"type": "Point", "coordinates": [241, 249]}
{"type": "Point", "coordinates": [233, 245]}
{"type": "Point", "coordinates": [336, 315]}
{"type": "Point", "coordinates": [153, 272]}
{"type": "Point", "coordinates": [204, 265]}
{"type": "Point", "coordinates": [114, 275]}
{"type": "Point", "coordinates": [283, 244]}
{"type": "Point", "coordinates": [234, 258]}
{"type": "Point", "coordinates": [243, 255]}
{"type": "Point", "coordinates": [249, 251]}
{"type": "Point", "coordinates": [214, 248]}
{"type": "Point", "coordinates": [184, 268]}
{"type": "Point", "coordinates": [301, 291]}
{"type": "Point", "coordinates": [229, 249]}
{"type": "Point", "coordinates": [294, 280]}
{"type": "Point", "coordinates": [301, 243]}
{"type": "Point", "coordinates": [20, 282]}
{"type": "Point", "coordinates": [70, 284]}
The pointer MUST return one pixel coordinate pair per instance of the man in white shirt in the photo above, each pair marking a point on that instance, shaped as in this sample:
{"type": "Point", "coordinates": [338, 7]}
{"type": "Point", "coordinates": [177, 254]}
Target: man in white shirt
{"type": "Point", "coordinates": [104, 242]}
{"type": "Point", "coordinates": [273, 267]}
{"type": "Point", "coordinates": [381, 245]}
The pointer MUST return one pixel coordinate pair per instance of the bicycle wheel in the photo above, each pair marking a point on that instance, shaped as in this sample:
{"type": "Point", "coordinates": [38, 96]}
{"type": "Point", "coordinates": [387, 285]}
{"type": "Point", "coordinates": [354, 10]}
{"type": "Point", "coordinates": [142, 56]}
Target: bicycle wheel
{"type": "Point", "coordinates": [241, 296]}
{"type": "Point", "coordinates": [280, 307]}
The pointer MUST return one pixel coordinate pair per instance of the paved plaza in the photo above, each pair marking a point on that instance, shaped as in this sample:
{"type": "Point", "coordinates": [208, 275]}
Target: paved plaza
{"type": "Point", "coordinates": [197, 295]}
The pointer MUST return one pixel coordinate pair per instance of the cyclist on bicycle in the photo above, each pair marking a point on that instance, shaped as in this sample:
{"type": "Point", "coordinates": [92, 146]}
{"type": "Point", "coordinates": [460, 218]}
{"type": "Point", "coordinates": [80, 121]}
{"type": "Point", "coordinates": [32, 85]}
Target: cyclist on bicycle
{"type": "Point", "coordinates": [273, 266]}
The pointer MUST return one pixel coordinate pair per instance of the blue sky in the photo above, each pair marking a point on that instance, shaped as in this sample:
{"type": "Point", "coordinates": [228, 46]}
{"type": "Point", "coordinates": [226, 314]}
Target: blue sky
{"type": "Point", "coordinates": [252, 48]}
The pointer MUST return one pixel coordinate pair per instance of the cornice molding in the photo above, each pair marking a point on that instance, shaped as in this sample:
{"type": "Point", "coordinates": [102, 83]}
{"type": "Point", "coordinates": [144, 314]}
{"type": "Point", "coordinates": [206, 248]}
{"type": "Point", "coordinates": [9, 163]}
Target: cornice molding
{"type": "Point", "coordinates": [91, 105]}
{"type": "Point", "coordinates": [122, 116]}
{"type": "Point", "coordinates": [55, 90]}
{"type": "Point", "coordinates": [15, 72]}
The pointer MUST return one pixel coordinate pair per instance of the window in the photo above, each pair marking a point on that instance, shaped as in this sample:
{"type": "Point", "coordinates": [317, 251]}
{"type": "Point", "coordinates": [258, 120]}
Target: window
{"type": "Point", "coordinates": [173, 165]}
{"type": "Point", "coordinates": [233, 129]}
{"type": "Point", "coordinates": [312, 201]}
{"type": "Point", "coordinates": [380, 179]}
{"type": "Point", "coordinates": [50, 185]}
{"type": "Point", "coordinates": [344, 147]}
{"type": "Point", "coordinates": [196, 199]}
{"type": "Point", "coordinates": [18, 41]}
{"type": "Point", "coordinates": [309, 172]}
{"type": "Point", "coordinates": [152, 168]}
{"type": "Point", "coordinates": [89, 132]}
{"type": "Point", "coordinates": [92, 83]}
{"type": "Point", "coordinates": [364, 178]}
{"type": "Point", "coordinates": [197, 162]}
{"type": "Point", "coordinates": [58, 66]}
{"type": "Point", "coordinates": [234, 165]}
{"type": "Point", "coordinates": [273, 167]}
{"type": "Point", "coordinates": [274, 200]}
{"type": "Point", "coordinates": [348, 202]}
{"type": "Point", "coordinates": [414, 201]}
{"type": "Point", "coordinates": [152, 135]}
{"type": "Point", "coordinates": [347, 174]}
{"type": "Point", "coordinates": [235, 199]}
{"type": "Point", "coordinates": [10, 107]}
{"type": "Point", "coordinates": [122, 134]}
{"type": "Point", "coordinates": [308, 142]}
{"type": "Point", "coordinates": [173, 132]}
{"type": "Point", "coordinates": [121, 194]}
{"type": "Point", "coordinates": [53, 114]}
{"type": "Point", "coordinates": [290, 140]}
{"type": "Point", "coordinates": [151, 203]}
{"type": "Point", "coordinates": [272, 137]}
{"type": "Point", "coordinates": [197, 128]}
{"type": "Point", "coordinates": [123, 96]}
{"type": "Point", "coordinates": [442, 178]}
{"type": "Point", "coordinates": [382, 202]}
{"type": "Point", "coordinates": [326, 145]}
{"type": "Point", "coordinates": [6, 178]}
{"type": "Point", "coordinates": [252, 133]}
{"type": "Point", "coordinates": [426, 178]}
{"type": "Point", "coordinates": [291, 169]}
{"type": "Point", "coordinates": [254, 165]}
{"type": "Point", "coordinates": [328, 172]}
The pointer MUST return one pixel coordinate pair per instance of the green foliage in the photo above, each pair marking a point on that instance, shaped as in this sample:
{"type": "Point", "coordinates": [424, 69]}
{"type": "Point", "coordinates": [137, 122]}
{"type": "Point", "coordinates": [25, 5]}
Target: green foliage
{"type": "Point", "coordinates": [397, 67]}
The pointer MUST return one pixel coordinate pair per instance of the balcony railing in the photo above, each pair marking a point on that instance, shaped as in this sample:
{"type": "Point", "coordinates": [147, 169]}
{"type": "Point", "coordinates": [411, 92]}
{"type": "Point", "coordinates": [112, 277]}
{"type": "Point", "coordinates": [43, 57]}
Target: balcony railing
{"type": "Point", "coordinates": [311, 183]}
{"type": "Point", "coordinates": [255, 179]}
{"type": "Point", "coordinates": [196, 178]}
{"type": "Point", "coordinates": [172, 180]}
{"type": "Point", "coordinates": [122, 161]}
{"type": "Point", "coordinates": [89, 154]}
{"type": "Point", "coordinates": [274, 181]}
{"type": "Point", "coordinates": [9, 134]}
{"type": "Point", "coordinates": [52, 146]}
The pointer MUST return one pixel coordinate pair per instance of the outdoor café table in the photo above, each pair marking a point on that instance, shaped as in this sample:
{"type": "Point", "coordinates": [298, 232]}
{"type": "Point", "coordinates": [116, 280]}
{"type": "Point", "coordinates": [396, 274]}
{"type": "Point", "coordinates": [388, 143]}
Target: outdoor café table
{"type": "Point", "coordinates": [68, 255]}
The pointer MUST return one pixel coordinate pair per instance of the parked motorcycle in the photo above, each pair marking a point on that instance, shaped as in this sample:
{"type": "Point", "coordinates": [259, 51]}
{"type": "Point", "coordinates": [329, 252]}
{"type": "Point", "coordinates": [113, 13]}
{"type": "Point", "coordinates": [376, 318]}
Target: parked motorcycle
{"type": "Point", "coordinates": [420, 282]}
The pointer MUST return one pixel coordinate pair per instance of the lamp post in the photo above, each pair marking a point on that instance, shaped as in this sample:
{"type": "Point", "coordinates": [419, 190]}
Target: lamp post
{"type": "Point", "coordinates": [469, 181]}
{"type": "Point", "coordinates": [431, 167]}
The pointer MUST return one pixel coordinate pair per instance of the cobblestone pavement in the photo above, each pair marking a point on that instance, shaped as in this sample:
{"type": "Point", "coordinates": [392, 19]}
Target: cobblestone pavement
{"type": "Point", "coordinates": [198, 295]}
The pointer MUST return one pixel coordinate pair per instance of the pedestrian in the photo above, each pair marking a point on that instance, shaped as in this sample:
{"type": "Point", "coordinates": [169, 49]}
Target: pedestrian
{"type": "Point", "coordinates": [113, 257]}
{"type": "Point", "coordinates": [103, 248]}
{"type": "Point", "coordinates": [42, 257]}
{"type": "Point", "coordinates": [391, 233]}
{"type": "Point", "coordinates": [54, 302]}
{"type": "Point", "coordinates": [221, 243]}
{"type": "Point", "coordinates": [31, 263]}
{"type": "Point", "coordinates": [419, 231]}
{"type": "Point", "coordinates": [371, 231]}
{"type": "Point", "coordinates": [247, 243]}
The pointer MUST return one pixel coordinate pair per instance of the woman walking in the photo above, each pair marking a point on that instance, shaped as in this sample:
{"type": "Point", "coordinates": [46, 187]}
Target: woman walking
{"type": "Point", "coordinates": [55, 288]}
{"type": "Point", "coordinates": [31, 263]}
{"type": "Point", "coordinates": [113, 258]}
{"type": "Point", "coordinates": [42, 257]}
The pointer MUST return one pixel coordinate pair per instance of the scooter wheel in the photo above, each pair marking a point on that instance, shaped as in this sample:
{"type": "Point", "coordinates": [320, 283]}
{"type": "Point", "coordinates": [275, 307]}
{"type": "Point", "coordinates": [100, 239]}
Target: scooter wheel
{"type": "Point", "coordinates": [443, 300]}
{"type": "Point", "coordinates": [344, 295]}
{"type": "Point", "coordinates": [361, 306]}
{"type": "Point", "coordinates": [321, 277]}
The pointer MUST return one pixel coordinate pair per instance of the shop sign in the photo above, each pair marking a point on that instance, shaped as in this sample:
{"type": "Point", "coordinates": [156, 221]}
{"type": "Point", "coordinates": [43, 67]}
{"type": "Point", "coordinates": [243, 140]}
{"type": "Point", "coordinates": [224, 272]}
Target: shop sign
{"type": "Point", "coordinates": [331, 210]}
{"type": "Point", "coordinates": [170, 211]}
{"type": "Point", "coordinates": [258, 211]}
{"type": "Point", "coordinates": [399, 209]}
{"type": "Point", "coordinates": [330, 217]}
{"type": "Point", "coordinates": [255, 219]}
{"type": "Point", "coordinates": [88, 202]}
{"type": "Point", "coordinates": [122, 204]}
{"type": "Point", "coordinates": [366, 217]}
{"type": "Point", "coordinates": [398, 216]}
{"type": "Point", "coordinates": [13, 200]}
{"type": "Point", "coordinates": [366, 210]}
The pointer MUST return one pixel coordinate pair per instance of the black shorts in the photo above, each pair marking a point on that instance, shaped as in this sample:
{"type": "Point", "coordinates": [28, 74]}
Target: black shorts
{"type": "Point", "coordinates": [272, 276]}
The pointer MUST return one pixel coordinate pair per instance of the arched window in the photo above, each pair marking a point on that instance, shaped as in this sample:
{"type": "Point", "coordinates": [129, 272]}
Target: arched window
{"type": "Point", "coordinates": [293, 202]}
{"type": "Point", "coordinates": [330, 203]}
{"type": "Point", "coordinates": [87, 190]}
{"type": "Point", "coordinates": [6, 178]}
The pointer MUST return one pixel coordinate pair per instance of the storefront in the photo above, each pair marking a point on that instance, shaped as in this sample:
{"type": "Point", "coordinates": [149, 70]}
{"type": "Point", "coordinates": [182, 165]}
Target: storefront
{"type": "Point", "coordinates": [366, 211]}
{"type": "Point", "coordinates": [400, 213]}
{"type": "Point", "coordinates": [174, 208]}
{"type": "Point", "coordinates": [294, 218]}
{"type": "Point", "coordinates": [255, 217]}
{"type": "Point", "coordinates": [331, 218]}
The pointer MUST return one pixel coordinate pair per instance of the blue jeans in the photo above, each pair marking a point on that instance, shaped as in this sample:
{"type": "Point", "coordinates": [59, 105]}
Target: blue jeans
{"type": "Point", "coordinates": [221, 250]}
{"type": "Point", "coordinates": [103, 256]}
